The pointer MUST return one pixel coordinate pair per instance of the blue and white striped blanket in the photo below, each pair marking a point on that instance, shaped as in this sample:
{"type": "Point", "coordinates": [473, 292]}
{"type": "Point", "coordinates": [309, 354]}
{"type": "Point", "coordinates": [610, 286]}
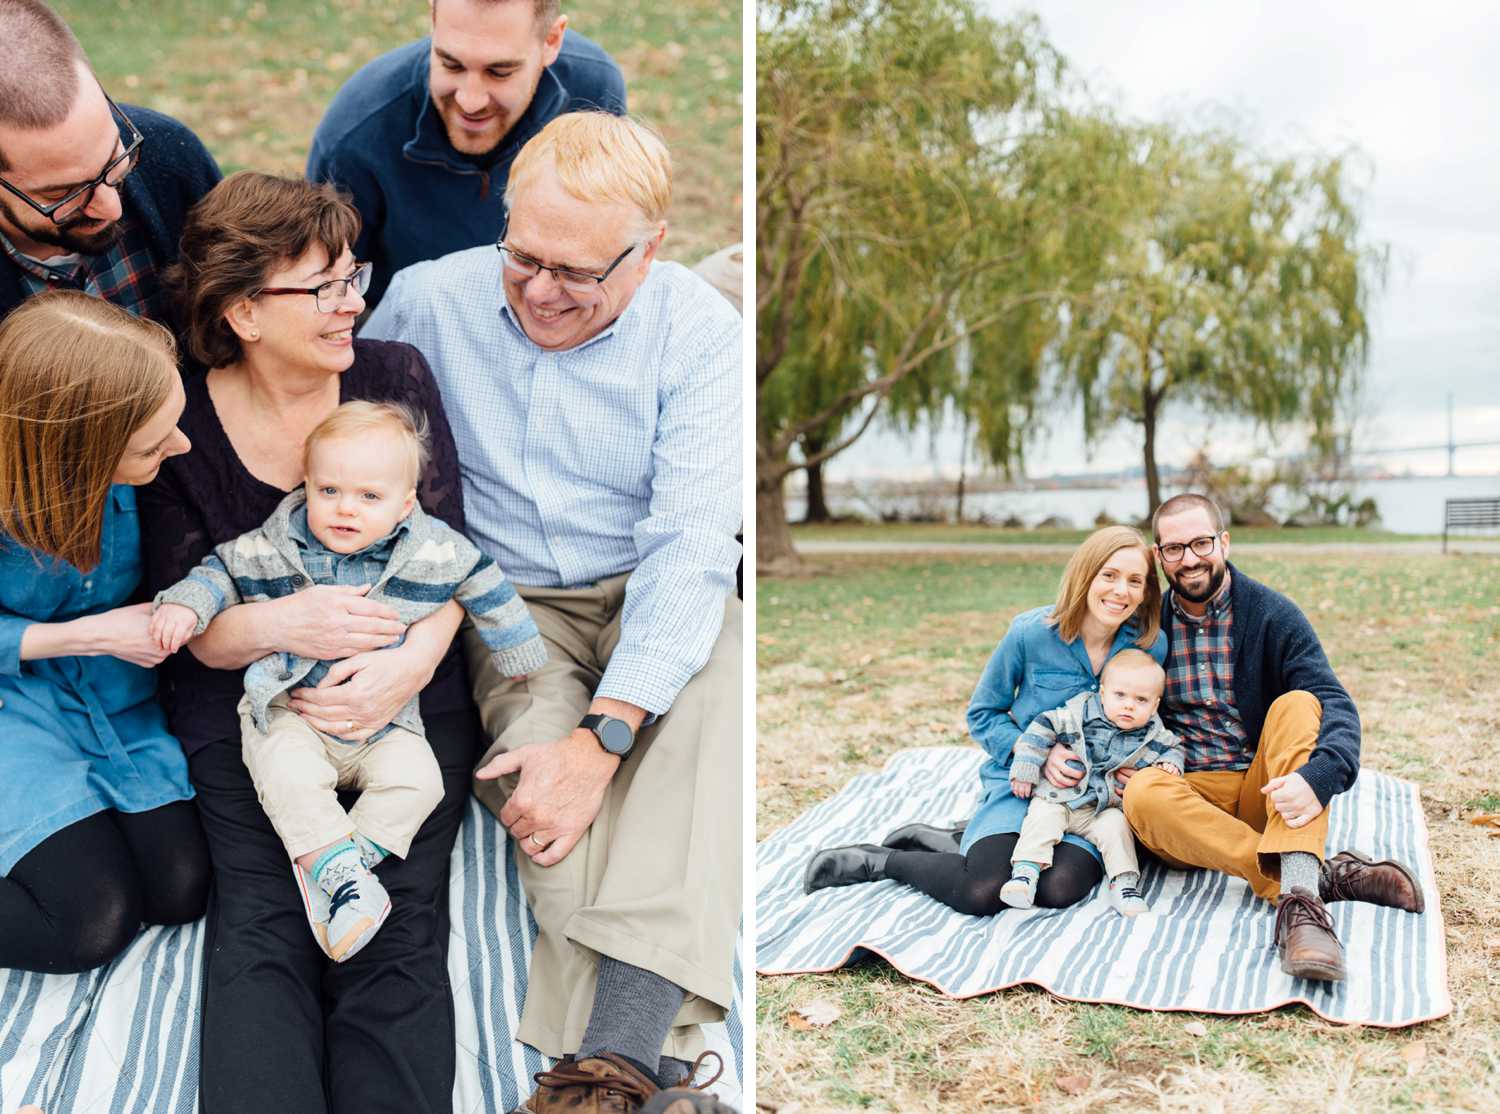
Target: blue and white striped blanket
{"type": "Point", "coordinates": [124, 1039]}
{"type": "Point", "coordinates": [1207, 945]}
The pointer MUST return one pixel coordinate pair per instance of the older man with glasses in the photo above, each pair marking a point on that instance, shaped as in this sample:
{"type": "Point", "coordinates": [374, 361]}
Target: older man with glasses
{"type": "Point", "coordinates": [594, 393]}
{"type": "Point", "coordinates": [92, 196]}
{"type": "Point", "coordinates": [1271, 736]}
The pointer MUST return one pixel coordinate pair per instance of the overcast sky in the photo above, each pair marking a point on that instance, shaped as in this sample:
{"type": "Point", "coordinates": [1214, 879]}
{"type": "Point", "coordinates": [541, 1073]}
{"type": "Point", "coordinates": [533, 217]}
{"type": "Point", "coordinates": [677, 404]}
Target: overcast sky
{"type": "Point", "coordinates": [1416, 89]}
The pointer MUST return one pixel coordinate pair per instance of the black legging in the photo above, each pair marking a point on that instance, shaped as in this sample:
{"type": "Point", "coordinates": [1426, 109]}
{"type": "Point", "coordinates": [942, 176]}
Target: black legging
{"type": "Point", "coordinates": [77, 899]}
{"type": "Point", "coordinates": [284, 1028]}
{"type": "Point", "coordinates": [971, 883]}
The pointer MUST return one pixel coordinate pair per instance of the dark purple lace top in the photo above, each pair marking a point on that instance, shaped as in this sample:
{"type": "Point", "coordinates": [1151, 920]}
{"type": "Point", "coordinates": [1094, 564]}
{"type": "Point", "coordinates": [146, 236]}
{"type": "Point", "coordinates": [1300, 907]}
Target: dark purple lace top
{"type": "Point", "coordinates": [207, 496]}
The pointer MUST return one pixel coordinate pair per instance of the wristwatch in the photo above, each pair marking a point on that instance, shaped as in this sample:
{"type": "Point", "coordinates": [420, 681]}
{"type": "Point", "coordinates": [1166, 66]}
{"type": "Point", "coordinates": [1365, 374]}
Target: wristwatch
{"type": "Point", "coordinates": [614, 735]}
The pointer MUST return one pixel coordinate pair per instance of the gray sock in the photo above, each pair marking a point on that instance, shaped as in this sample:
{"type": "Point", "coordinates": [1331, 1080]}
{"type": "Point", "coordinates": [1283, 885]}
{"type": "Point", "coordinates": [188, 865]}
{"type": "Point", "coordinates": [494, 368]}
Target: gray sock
{"type": "Point", "coordinates": [633, 1012]}
{"type": "Point", "coordinates": [1299, 868]}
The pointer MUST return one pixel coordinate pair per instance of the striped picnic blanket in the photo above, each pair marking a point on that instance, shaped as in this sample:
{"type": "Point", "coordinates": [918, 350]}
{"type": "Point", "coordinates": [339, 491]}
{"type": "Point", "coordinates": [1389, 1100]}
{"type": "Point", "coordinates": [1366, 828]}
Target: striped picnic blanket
{"type": "Point", "coordinates": [1207, 945]}
{"type": "Point", "coordinates": [124, 1039]}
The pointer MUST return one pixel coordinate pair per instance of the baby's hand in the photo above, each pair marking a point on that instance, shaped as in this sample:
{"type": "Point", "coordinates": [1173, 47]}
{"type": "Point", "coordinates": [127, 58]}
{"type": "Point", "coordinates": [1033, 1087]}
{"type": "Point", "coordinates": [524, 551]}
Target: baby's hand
{"type": "Point", "coordinates": [1021, 789]}
{"type": "Point", "coordinates": [1170, 767]}
{"type": "Point", "coordinates": [172, 625]}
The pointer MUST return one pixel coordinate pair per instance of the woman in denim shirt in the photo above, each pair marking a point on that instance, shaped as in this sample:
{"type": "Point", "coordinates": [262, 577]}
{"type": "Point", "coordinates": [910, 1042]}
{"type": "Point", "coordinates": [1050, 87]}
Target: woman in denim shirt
{"type": "Point", "coordinates": [97, 828]}
{"type": "Point", "coordinates": [1109, 600]}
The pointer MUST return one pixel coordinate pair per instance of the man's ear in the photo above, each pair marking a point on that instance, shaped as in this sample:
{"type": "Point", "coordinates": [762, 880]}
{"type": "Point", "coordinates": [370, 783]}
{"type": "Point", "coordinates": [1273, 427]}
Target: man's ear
{"type": "Point", "coordinates": [553, 39]}
{"type": "Point", "coordinates": [649, 253]}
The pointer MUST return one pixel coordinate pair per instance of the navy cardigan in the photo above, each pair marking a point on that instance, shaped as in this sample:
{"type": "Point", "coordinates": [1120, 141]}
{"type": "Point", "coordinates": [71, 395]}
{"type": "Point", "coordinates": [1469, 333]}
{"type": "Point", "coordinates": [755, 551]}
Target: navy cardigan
{"type": "Point", "coordinates": [174, 172]}
{"type": "Point", "coordinates": [1276, 652]}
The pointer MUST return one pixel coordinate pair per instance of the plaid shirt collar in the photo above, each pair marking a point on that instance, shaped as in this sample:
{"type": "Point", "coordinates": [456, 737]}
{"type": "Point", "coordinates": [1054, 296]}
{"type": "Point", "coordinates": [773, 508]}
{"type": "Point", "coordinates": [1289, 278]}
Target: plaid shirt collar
{"type": "Point", "coordinates": [44, 272]}
{"type": "Point", "coordinates": [1216, 606]}
{"type": "Point", "coordinates": [124, 275]}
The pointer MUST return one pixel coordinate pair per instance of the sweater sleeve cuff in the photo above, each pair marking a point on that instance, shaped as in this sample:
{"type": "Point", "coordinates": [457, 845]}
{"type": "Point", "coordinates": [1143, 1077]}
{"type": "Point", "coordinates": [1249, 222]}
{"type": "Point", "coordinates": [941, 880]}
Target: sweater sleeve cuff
{"type": "Point", "coordinates": [1027, 771]}
{"type": "Point", "coordinates": [1320, 780]}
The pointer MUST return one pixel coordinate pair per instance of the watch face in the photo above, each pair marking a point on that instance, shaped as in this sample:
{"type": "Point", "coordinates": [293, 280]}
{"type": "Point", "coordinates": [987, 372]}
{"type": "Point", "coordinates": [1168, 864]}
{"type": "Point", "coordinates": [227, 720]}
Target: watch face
{"type": "Point", "coordinates": [616, 736]}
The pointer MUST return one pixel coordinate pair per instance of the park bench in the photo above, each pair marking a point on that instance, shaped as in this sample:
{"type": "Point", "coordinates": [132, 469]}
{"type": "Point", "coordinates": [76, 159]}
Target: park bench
{"type": "Point", "coordinates": [1481, 513]}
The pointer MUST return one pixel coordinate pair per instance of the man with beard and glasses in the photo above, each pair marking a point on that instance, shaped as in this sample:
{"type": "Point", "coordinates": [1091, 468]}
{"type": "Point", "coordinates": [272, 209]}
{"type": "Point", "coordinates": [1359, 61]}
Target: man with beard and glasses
{"type": "Point", "coordinates": [92, 194]}
{"type": "Point", "coordinates": [423, 137]}
{"type": "Point", "coordinates": [1271, 736]}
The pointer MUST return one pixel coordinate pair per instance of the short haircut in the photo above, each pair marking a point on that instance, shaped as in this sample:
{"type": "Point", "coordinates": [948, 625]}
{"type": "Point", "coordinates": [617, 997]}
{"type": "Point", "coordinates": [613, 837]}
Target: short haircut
{"type": "Point", "coordinates": [354, 418]}
{"type": "Point", "coordinates": [1135, 659]}
{"type": "Point", "coordinates": [78, 377]}
{"type": "Point", "coordinates": [39, 81]}
{"type": "Point", "coordinates": [238, 233]}
{"type": "Point", "coordinates": [1187, 501]}
{"type": "Point", "coordinates": [600, 157]}
{"type": "Point", "coordinates": [1090, 556]}
{"type": "Point", "coordinates": [545, 12]}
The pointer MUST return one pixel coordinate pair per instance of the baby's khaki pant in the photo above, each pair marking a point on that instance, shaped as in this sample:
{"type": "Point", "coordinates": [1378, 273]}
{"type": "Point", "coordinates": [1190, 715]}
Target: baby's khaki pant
{"type": "Point", "coordinates": [655, 882]}
{"type": "Point", "coordinates": [1220, 819]}
{"type": "Point", "coordinates": [297, 770]}
{"type": "Point", "coordinates": [1048, 821]}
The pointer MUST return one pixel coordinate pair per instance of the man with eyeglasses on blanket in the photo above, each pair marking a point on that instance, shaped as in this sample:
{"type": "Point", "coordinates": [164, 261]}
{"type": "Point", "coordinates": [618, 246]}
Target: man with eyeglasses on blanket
{"type": "Point", "coordinates": [594, 393]}
{"type": "Point", "coordinates": [92, 195]}
{"type": "Point", "coordinates": [1270, 735]}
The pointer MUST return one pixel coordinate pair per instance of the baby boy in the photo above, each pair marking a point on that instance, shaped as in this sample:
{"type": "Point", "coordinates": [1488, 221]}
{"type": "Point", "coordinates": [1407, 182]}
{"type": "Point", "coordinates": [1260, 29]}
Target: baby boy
{"type": "Point", "coordinates": [354, 522]}
{"type": "Point", "coordinates": [1114, 729]}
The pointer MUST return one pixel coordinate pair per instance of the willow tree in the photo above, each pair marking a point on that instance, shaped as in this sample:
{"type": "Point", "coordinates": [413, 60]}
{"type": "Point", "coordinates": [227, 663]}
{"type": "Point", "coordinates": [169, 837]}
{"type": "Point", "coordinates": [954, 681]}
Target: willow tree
{"type": "Point", "coordinates": [1237, 282]}
{"type": "Point", "coordinates": [887, 229]}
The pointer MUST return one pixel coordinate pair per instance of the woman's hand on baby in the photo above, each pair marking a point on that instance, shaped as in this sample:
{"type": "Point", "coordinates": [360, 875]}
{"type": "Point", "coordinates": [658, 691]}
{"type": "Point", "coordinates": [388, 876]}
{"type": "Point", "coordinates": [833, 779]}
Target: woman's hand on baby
{"type": "Point", "coordinates": [1020, 789]}
{"type": "Point", "coordinates": [360, 694]}
{"type": "Point", "coordinates": [1057, 770]}
{"type": "Point", "coordinates": [333, 621]}
{"type": "Point", "coordinates": [123, 633]}
{"type": "Point", "coordinates": [172, 624]}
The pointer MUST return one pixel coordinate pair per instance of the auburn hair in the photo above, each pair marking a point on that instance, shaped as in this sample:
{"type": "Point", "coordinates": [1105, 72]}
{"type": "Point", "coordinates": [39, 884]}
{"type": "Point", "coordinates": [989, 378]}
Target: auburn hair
{"type": "Point", "coordinates": [78, 376]}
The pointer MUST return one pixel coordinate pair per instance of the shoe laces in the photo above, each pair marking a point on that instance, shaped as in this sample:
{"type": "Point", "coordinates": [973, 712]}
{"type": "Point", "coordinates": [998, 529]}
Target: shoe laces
{"type": "Point", "coordinates": [693, 1071]}
{"type": "Point", "coordinates": [1339, 877]}
{"type": "Point", "coordinates": [627, 1082]}
{"type": "Point", "coordinates": [1297, 909]}
{"type": "Point", "coordinates": [342, 896]}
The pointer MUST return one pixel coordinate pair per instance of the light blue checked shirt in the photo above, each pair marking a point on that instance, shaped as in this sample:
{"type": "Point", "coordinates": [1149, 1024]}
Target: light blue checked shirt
{"type": "Point", "coordinates": [619, 455]}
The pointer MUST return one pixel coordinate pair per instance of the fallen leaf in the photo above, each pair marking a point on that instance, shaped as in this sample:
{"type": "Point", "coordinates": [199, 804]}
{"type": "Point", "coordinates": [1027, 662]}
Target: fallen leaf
{"type": "Point", "coordinates": [816, 1014]}
{"type": "Point", "coordinates": [1073, 1084]}
{"type": "Point", "coordinates": [1486, 820]}
{"type": "Point", "coordinates": [1195, 1029]}
{"type": "Point", "coordinates": [1415, 1055]}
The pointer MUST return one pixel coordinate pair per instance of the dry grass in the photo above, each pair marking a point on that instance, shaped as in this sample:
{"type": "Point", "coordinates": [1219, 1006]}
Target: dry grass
{"type": "Point", "coordinates": [882, 653]}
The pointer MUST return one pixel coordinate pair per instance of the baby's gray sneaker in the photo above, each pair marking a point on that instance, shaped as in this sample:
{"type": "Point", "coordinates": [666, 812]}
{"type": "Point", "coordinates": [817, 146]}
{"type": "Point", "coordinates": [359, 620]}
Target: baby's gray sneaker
{"type": "Point", "coordinates": [1020, 891]}
{"type": "Point", "coordinates": [356, 910]}
{"type": "Point", "coordinates": [1124, 897]}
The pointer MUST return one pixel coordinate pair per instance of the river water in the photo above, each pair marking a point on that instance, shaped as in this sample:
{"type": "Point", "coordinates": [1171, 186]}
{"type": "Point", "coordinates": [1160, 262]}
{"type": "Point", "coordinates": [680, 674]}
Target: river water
{"type": "Point", "coordinates": [1408, 505]}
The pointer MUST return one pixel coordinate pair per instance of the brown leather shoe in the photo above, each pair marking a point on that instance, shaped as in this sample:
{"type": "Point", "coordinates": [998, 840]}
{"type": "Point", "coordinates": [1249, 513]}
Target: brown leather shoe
{"type": "Point", "coordinates": [602, 1084]}
{"type": "Point", "coordinates": [1305, 938]}
{"type": "Point", "coordinates": [1350, 876]}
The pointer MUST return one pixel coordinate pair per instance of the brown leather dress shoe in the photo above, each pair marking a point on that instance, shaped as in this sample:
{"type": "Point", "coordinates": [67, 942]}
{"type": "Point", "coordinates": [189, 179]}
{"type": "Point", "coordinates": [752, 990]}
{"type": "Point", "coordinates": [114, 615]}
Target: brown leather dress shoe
{"type": "Point", "coordinates": [1350, 876]}
{"type": "Point", "coordinates": [1305, 938]}
{"type": "Point", "coordinates": [602, 1084]}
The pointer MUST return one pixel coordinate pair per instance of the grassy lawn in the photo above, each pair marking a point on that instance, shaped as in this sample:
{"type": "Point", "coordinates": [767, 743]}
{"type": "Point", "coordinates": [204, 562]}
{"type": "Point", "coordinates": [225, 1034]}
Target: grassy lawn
{"type": "Point", "coordinates": [252, 78]}
{"type": "Point", "coordinates": [880, 653]}
{"type": "Point", "coordinates": [941, 534]}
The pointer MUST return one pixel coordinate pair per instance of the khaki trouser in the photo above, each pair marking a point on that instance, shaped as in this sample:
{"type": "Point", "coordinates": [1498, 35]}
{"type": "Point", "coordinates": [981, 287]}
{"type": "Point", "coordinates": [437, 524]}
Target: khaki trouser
{"type": "Point", "coordinates": [296, 770]}
{"type": "Point", "coordinates": [1048, 821]}
{"type": "Point", "coordinates": [1220, 819]}
{"type": "Point", "coordinates": [655, 882]}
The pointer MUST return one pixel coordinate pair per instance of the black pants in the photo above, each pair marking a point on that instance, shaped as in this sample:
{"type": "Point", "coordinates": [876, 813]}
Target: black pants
{"type": "Point", "coordinates": [76, 900]}
{"type": "Point", "coordinates": [285, 1028]}
{"type": "Point", "coordinates": [971, 883]}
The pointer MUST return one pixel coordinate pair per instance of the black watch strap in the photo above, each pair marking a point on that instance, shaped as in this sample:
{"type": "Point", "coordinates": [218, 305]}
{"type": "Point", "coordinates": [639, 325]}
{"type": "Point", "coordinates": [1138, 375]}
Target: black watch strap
{"type": "Point", "coordinates": [614, 735]}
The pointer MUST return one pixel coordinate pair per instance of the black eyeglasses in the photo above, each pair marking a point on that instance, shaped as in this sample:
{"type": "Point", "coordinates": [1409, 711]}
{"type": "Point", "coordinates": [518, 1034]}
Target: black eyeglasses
{"type": "Point", "coordinates": [569, 278]}
{"type": "Point", "coordinates": [113, 175]}
{"type": "Point", "coordinates": [1172, 552]}
{"type": "Point", "coordinates": [331, 294]}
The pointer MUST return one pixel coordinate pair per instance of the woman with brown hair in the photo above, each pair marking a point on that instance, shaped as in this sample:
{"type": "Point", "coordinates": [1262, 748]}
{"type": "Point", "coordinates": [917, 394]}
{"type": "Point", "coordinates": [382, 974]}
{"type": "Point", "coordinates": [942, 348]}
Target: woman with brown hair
{"type": "Point", "coordinates": [1109, 600]}
{"type": "Point", "coordinates": [269, 292]}
{"type": "Point", "coordinates": [97, 830]}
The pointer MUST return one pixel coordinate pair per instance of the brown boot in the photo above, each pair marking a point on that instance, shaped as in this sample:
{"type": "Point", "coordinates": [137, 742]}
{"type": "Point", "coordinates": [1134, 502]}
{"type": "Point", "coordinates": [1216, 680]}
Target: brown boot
{"type": "Point", "coordinates": [602, 1084]}
{"type": "Point", "coordinates": [1350, 876]}
{"type": "Point", "coordinates": [1304, 937]}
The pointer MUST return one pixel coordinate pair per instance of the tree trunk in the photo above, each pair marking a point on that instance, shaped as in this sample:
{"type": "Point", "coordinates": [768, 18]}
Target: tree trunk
{"type": "Point", "coordinates": [1150, 404]}
{"type": "Point", "coordinates": [773, 536]}
{"type": "Point", "coordinates": [817, 507]}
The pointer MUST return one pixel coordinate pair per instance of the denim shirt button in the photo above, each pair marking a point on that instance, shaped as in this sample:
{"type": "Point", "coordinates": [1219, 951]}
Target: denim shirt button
{"type": "Point", "coordinates": [286, 674]}
{"type": "Point", "coordinates": [298, 580]}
